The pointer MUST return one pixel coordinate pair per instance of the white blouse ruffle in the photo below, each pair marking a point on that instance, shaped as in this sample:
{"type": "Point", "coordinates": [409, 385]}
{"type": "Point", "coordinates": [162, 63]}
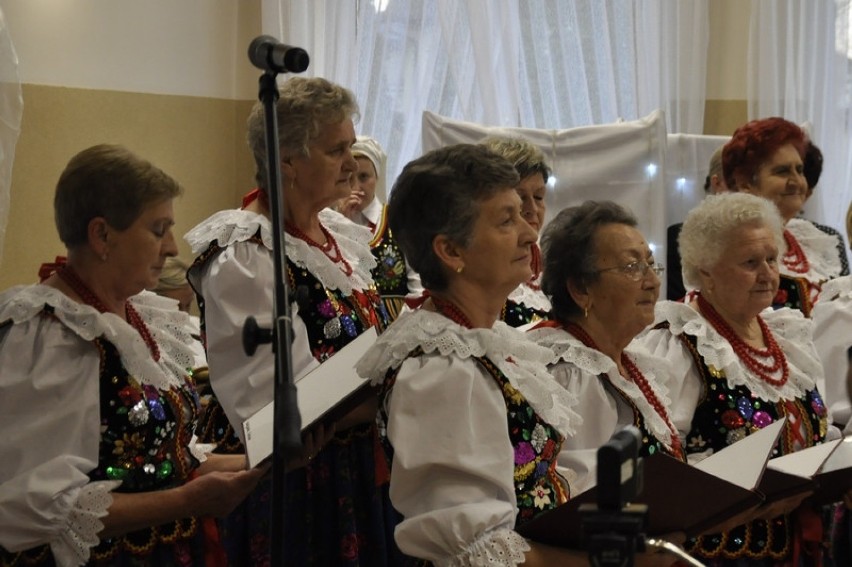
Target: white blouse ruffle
{"type": "Point", "coordinates": [579, 364]}
{"type": "Point", "coordinates": [237, 225]}
{"type": "Point", "coordinates": [453, 460]}
{"type": "Point", "coordinates": [46, 495]}
{"type": "Point", "coordinates": [792, 331]}
{"type": "Point", "coordinates": [820, 250]}
{"type": "Point", "coordinates": [527, 372]}
{"type": "Point", "coordinates": [532, 297]}
{"type": "Point", "coordinates": [832, 318]}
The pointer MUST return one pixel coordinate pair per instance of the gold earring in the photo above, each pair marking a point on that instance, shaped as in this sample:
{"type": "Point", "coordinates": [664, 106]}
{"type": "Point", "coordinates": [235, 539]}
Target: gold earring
{"type": "Point", "coordinates": [586, 312]}
{"type": "Point", "coordinates": [459, 269]}
{"type": "Point", "coordinates": [104, 257]}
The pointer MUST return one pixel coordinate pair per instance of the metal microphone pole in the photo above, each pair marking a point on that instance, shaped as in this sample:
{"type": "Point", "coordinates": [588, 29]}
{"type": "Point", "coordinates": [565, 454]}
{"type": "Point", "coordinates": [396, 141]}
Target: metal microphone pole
{"type": "Point", "coordinates": [287, 421]}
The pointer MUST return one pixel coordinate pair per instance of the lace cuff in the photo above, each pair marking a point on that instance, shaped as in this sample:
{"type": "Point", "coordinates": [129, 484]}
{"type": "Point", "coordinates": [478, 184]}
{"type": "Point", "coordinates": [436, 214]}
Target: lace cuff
{"type": "Point", "coordinates": [75, 542]}
{"type": "Point", "coordinates": [500, 548]}
{"type": "Point", "coordinates": [200, 450]}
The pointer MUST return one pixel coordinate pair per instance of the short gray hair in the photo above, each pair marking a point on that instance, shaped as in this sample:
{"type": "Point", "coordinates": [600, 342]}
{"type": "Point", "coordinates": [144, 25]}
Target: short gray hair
{"type": "Point", "coordinates": [107, 181]}
{"type": "Point", "coordinates": [304, 106]}
{"type": "Point", "coordinates": [524, 155]}
{"type": "Point", "coordinates": [708, 227]}
{"type": "Point", "coordinates": [439, 193]}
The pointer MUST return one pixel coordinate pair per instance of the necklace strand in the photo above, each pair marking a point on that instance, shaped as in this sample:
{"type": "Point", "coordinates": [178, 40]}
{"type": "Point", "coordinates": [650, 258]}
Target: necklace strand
{"type": "Point", "coordinates": [747, 353]}
{"type": "Point", "coordinates": [70, 277]}
{"type": "Point", "coordinates": [330, 248]}
{"type": "Point", "coordinates": [635, 375]}
{"type": "Point", "coordinates": [449, 310]}
{"type": "Point", "coordinates": [794, 258]}
{"type": "Point", "coordinates": [535, 264]}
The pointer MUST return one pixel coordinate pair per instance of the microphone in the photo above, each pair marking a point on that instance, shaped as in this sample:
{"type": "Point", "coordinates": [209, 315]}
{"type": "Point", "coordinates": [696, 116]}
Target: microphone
{"type": "Point", "coordinates": [268, 54]}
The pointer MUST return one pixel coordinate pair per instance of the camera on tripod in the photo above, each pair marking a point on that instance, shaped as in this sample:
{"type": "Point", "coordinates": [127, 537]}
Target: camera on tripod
{"type": "Point", "coordinates": [614, 527]}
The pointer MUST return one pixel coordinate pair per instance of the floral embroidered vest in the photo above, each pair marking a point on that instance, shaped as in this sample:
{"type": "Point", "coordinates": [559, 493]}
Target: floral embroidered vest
{"type": "Point", "coordinates": [390, 273]}
{"type": "Point", "coordinates": [145, 435]}
{"type": "Point", "coordinates": [538, 487]}
{"type": "Point", "coordinates": [517, 314]}
{"type": "Point", "coordinates": [794, 293]}
{"type": "Point", "coordinates": [332, 321]}
{"type": "Point", "coordinates": [650, 443]}
{"type": "Point", "coordinates": [726, 414]}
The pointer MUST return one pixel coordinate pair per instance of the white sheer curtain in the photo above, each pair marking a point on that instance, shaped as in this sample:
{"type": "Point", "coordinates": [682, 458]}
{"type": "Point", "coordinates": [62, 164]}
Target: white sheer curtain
{"type": "Point", "coordinates": [11, 109]}
{"type": "Point", "coordinates": [799, 68]}
{"type": "Point", "coordinates": [528, 63]}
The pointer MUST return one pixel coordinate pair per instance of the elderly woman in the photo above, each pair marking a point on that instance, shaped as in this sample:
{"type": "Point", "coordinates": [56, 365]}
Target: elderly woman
{"type": "Point", "coordinates": [337, 512]}
{"type": "Point", "coordinates": [737, 367]}
{"type": "Point", "coordinates": [394, 279]}
{"type": "Point", "coordinates": [602, 279]}
{"type": "Point", "coordinates": [765, 158]}
{"type": "Point", "coordinates": [102, 468]}
{"type": "Point", "coordinates": [473, 418]}
{"type": "Point", "coordinates": [527, 303]}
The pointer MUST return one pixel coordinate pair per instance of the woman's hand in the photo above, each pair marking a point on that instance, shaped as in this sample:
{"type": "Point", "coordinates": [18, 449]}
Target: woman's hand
{"type": "Point", "coordinates": [217, 493]}
{"type": "Point", "coordinates": [312, 442]}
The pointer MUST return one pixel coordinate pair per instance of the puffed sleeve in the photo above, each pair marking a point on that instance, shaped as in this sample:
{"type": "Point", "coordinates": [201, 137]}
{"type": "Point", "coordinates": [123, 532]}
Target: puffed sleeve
{"type": "Point", "coordinates": [682, 379]}
{"type": "Point", "coordinates": [832, 318]}
{"type": "Point", "coordinates": [236, 284]}
{"type": "Point", "coordinates": [49, 411]}
{"type": "Point", "coordinates": [453, 464]}
{"type": "Point", "coordinates": [602, 417]}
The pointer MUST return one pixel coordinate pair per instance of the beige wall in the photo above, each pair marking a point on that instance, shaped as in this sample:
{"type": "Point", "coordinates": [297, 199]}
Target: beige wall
{"type": "Point", "coordinates": [726, 107]}
{"type": "Point", "coordinates": [199, 141]}
{"type": "Point", "coordinates": [181, 102]}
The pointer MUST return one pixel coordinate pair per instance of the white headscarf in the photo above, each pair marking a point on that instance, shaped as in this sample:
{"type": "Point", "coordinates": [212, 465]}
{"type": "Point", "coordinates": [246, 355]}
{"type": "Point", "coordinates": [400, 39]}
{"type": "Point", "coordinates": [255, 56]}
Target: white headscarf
{"type": "Point", "coordinates": [369, 148]}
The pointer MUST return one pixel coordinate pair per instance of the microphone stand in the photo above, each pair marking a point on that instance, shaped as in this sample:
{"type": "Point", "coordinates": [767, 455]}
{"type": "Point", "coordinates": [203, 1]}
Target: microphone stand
{"type": "Point", "coordinates": [287, 421]}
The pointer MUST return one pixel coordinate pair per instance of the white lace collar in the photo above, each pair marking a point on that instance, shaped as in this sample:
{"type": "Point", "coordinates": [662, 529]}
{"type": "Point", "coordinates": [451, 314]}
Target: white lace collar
{"type": "Point", "coordinates": [838, 288]}
{"type": "Point", "coordinates": [820, 249]}
{"type": "Point", "coordinates": [232, 226]}
{"type": "Point", "coordinates": [791, 330]}
{"type": "Point", "coordinates": [567, 349]}
{"type": "Point", "coordinates": [165, 322]}
{"type": "Point", "coordinates": [435, 333]}
{"type": "Point", "coordinates": [531, 297]}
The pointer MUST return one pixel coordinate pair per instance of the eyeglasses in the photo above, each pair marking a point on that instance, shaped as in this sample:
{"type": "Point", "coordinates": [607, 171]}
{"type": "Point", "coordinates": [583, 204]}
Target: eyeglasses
{"type": "Point", "coordinates": [637, 270]}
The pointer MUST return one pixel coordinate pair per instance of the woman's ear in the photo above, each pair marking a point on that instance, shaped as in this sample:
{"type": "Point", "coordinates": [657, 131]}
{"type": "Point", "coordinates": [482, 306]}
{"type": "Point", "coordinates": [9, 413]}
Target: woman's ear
{"type": "Point", "coordinates": [98, 232]}
{"type": "Point", "coordinates": [287, 168]}
{"type": "Point", "coordinates": [707, 280]}
{"type": "Point", "coordinates": [579, 292]}
{"type": "Point", "coordinates": [449, 253]}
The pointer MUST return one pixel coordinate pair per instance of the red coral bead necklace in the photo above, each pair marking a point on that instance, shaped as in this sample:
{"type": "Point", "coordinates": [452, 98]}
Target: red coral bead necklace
{"type": "Point", "coordinates": [747, 353]}
{"type": "Point", "coordinates": [70, 277]}
{"type": "Point", "coordinates": [635, 375]}
{"type": "Point", "coordinates": [794, 258]}
{"type": "Point", "coordinates": [330, 248]}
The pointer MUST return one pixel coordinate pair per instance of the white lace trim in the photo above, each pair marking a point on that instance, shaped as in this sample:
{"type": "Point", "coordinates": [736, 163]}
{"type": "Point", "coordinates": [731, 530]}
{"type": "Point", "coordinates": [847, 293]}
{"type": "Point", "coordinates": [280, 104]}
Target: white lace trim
{"type": "Point", "coordinates": [200, 450]}
{"type": "Point", "coordinates": [500, 548]}
{"type": "Point", "coordinates": [820, 249]}
{"type": "Point", "coordinates": [232, 226]}
{"type": "Point", "coordinates": [228, 227]}
{"type": "Point", "coordinates": [838, 288]}
{"type": "Point", "coordinates": [570, 350]}
{"type": "Point", "coordinates": [74, 544]}
{"type": "Point", "coordinates": [166, 324]}
{"type": "Point", "coordinates": [433, 332]}
{"type": "Point", "coordinates": [791, 330]}
{"type": "Point", "coordinates": [531, 297]}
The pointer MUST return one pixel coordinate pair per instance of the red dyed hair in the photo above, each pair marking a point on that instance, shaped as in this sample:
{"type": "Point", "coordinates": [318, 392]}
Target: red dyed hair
{"type": "Point", "coordinates": [753, 144]}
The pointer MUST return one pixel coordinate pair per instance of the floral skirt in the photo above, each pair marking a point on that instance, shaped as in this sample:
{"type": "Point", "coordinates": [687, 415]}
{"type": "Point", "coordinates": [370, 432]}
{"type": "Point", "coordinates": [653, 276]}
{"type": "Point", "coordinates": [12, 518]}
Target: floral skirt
{"type": "Point", "coordinates": [338, 512]}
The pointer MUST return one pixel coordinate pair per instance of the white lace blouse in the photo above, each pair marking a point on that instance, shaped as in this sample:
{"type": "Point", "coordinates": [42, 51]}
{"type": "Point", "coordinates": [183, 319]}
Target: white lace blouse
{"type": "Point", "coordinates": [820, 249]}
{"type": "Point", "coordinates": [578, 369]}
{"type": "Point", "coordinates": [792, 331]}
{"type": "Point", "coordinates": [453, 465]}
{"type": "Point", "coordinates": [50, 411]}
{"type": "Point", "coordinates": [239, 282]}
{"type": "Point", "coordinates": [832, 318]}
{"type": "Point", "coordinates": [532, 297]}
